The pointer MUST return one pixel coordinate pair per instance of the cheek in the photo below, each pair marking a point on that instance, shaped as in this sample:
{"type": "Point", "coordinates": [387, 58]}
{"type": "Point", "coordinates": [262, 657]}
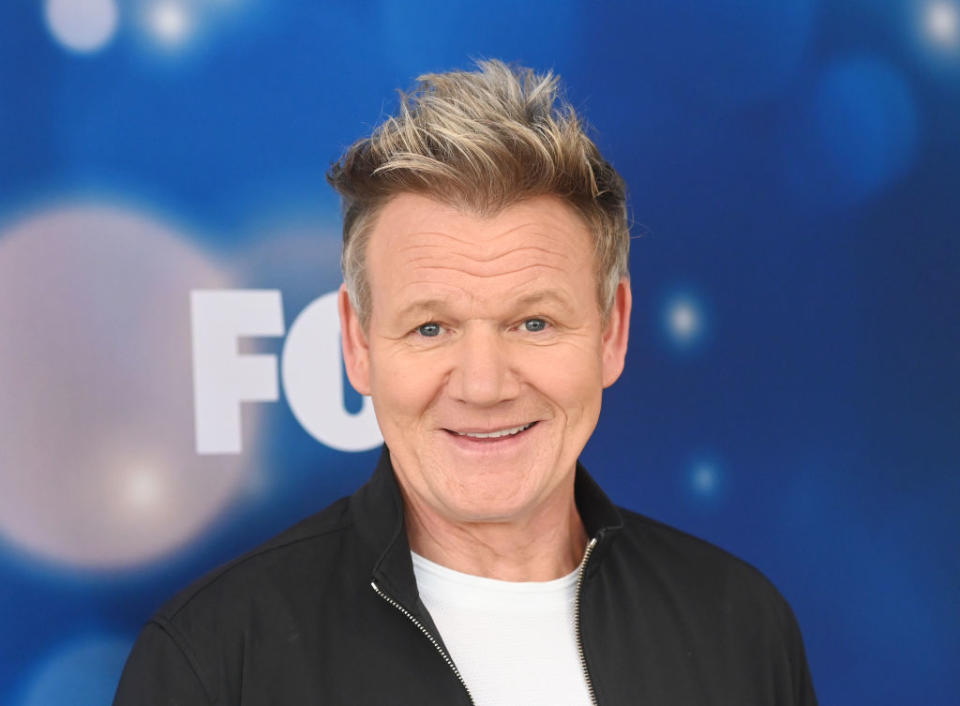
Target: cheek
{"type": "Point", "coordinates": [577, 360]}
{"type": "Point", "coordinates": [569, 374]}
{"type": "Point", "coordinates": [403, 384]}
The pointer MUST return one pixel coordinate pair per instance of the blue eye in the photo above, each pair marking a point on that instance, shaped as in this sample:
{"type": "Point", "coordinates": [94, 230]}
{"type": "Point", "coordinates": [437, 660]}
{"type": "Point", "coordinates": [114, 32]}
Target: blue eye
{"type": "Point", "coordinates": [429, 330]}
{"type": "Point", "coordinates": [534, 325]}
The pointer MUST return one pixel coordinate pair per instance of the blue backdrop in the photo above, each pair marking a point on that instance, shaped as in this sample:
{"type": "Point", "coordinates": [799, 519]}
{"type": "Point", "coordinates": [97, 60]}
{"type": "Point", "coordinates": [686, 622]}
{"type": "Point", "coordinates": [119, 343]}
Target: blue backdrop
{"type": "Point", "coordinates": [792, 390]}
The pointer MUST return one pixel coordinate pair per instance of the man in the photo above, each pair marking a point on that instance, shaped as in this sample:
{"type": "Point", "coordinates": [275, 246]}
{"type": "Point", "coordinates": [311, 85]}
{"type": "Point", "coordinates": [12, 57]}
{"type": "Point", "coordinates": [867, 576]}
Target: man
{"type": "Point", "coordinates": [486, 306]}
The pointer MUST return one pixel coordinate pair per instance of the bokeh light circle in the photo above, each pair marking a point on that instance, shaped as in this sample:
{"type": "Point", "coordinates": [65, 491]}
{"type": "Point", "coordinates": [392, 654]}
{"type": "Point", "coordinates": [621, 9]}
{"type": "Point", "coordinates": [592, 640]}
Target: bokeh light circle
{"type": "Point", "coordinates": [169, 22]}
{"type": "Point", "coordinates": [83, 26]}
{"type": "Point", "coordinates": [96, 418]}
{"type": "Point", "coordinates": [684, 320]}
{"type": "Point", "coordinates": [941, 22]}
{"type": "Point", "coordinates": [857, 134]}
{"type": "Point", "coordinates": [704, 479]}
{"type": "Point", "coordinates": [81, 672]}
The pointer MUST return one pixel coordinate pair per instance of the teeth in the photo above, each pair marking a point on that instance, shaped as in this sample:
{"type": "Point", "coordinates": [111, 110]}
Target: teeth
{"type": "Point", "coordinates": [495, 434]}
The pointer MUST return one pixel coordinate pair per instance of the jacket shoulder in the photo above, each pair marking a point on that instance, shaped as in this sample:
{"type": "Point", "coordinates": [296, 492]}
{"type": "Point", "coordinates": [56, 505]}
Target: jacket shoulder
{"type": "Point", "coordinates": [691, 566]}
{"type": "Point", "coordinates": [203, 634]}
{"type": "Point", "coordinates": [308, 547]}
{"type": "Point", "coordinates": [716, 610]}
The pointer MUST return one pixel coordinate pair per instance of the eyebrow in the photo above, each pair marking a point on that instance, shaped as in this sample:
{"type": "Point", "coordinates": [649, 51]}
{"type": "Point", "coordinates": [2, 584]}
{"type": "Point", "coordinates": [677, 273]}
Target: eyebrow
{"type": "Point", "coordinates": [545, 295]}
{"type": "Point", "coordinates": [421, 306]}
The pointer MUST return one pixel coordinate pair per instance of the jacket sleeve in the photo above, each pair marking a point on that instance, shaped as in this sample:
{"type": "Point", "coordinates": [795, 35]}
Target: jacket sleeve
{"type": "Point", "coordinates": [804, 682]}
{"type": "Point", "coordinates": [803, 693]}
{"type": "Point", "coordinates": [160, 672]}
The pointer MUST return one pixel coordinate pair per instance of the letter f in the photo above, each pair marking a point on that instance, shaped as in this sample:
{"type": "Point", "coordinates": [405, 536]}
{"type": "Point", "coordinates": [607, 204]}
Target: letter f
{"type": "Point", "coordinates": [222, 378]}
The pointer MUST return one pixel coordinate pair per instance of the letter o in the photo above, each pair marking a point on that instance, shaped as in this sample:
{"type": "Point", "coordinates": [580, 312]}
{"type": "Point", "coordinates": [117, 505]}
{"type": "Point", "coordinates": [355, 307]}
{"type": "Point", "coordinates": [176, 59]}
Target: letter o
{"type": "Point", "coordinates": [311, 372]}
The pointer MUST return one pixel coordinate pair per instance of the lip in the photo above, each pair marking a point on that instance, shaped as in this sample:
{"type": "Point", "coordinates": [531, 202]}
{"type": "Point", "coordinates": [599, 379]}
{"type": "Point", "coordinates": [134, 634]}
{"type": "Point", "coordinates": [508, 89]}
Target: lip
{"type": "Point", "coordinates": [459, 438]}
{"type": "Point", "coordinates": [492, 430]}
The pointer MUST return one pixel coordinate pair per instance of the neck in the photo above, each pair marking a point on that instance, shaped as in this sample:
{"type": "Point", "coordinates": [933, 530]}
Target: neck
{"type": "Point", "coordinates": [543, 546]}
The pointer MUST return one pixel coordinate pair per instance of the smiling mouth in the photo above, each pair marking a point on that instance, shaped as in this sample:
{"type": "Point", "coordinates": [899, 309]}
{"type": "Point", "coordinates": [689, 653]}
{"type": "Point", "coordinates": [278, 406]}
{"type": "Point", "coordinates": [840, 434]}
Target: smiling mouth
{"type": "Point", "coordinates": [498, 434]}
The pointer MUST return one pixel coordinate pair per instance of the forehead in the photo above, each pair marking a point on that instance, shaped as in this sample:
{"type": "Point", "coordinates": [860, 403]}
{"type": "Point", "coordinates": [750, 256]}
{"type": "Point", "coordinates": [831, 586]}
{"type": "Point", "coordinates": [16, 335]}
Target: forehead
{"type": "Point", "coordinates": [419, 246]}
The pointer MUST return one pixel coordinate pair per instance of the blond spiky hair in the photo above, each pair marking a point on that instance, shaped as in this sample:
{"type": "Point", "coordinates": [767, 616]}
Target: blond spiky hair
{"type": "Point", "coordinates": [481, 141]}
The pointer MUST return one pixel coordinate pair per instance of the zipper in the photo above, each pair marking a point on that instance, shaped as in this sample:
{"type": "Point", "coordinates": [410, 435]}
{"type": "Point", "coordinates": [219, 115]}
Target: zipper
{"type": "Point", "coordinates": [576, 619]}
{"type": "Point", "coordinates": [434, 641]}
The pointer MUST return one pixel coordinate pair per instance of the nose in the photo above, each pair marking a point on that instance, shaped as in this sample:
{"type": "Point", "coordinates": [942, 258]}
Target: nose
{"type": "Point", "coordinates": [482, 371]}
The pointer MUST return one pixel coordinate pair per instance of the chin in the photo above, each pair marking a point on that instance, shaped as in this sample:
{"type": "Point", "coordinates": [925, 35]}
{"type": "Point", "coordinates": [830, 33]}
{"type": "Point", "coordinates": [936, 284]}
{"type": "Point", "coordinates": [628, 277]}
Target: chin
{"type": "Point", "coordinates": [481, 501]}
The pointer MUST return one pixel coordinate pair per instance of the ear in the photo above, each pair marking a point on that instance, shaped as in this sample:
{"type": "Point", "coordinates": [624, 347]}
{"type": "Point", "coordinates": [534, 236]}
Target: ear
{"type": "Point", "coordinates": [616, 333]}
{"type": "Point", "coordinates": [353, 339]}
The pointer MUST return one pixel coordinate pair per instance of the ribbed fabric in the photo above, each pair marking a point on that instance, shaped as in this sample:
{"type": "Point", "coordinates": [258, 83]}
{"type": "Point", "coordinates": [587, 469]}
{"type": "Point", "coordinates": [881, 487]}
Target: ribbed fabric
{"type": "Point", "coordinates": [513, 642]}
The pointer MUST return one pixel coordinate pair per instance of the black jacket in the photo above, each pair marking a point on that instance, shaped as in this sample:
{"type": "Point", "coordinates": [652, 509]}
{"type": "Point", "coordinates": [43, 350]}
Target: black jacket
{"type": "Point", "coordinates": [665, 620]}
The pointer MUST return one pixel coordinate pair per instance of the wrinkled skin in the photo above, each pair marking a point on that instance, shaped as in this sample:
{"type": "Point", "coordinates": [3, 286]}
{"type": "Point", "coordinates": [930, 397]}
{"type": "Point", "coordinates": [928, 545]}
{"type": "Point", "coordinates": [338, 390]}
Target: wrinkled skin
{"type": "Point", "coordinates": [480, 326]}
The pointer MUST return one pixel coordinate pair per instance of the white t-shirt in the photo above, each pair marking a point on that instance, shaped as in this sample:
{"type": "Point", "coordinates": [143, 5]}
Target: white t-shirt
{"type": "Point", "coordinates": [513, 642]}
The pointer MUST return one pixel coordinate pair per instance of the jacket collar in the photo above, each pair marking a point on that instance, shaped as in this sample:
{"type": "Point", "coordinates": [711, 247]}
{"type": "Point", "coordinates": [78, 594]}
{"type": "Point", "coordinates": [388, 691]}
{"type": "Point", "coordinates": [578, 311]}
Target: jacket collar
{"type": "Point", "coordinates": [377, 510]}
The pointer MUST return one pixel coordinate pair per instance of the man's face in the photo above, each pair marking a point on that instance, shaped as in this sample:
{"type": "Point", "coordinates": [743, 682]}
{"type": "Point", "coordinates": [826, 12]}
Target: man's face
{"type": "Point", "coordinates": [485, 352]}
